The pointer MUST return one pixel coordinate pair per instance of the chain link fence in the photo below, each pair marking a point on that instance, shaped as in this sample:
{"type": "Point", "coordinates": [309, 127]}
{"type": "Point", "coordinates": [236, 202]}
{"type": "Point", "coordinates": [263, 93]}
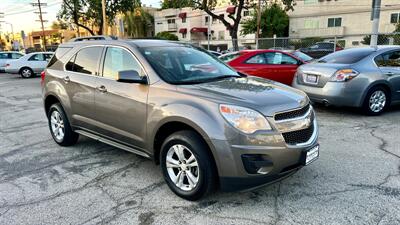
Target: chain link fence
{"type": "Point", "coordinates": [316, 47]}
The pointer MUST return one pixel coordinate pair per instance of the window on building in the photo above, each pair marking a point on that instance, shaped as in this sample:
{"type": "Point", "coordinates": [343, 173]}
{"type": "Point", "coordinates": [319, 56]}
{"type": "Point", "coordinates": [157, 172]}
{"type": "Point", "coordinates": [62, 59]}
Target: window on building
{"type": "Point", "coordinates": [171, 21]}
{"type": "Point", "coordinates": [307, 2]}
{"type": "Point", "coordinates": [395, 18]}
{"type": "Point", "coordinates": [221, 35]}
{"type": "Point", "coordinates": [246, 13]}
{"type": "Point", "coordinates": [206, 20]}
{"type": "Point", "coordinates": [335, 22]}
{"type": "Point", "coordinates": [183, 35]}
{"type": "Point", "coordinates": [311, 24]}
{"type": "Point", "coordinates": [117, 60]}
{"type": "Point", "coordinates": [184, 20]}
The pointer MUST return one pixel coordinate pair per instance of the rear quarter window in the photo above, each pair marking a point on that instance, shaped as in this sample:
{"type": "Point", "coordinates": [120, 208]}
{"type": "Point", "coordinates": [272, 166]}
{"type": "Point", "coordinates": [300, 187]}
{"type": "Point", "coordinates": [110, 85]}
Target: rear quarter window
{"type": "Point", "coordinates": [60, 52]}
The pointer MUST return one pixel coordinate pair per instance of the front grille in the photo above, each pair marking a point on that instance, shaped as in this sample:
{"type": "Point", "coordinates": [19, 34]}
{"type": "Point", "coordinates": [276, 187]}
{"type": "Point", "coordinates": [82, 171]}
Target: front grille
{"type": "Point", "coordinates": [292, 114]}
{"type": "Point", "coordinates": [299, 136]}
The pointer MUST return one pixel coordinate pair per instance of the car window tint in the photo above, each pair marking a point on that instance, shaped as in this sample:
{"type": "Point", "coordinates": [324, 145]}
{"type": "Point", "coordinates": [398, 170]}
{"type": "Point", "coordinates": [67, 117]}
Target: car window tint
{"type": "Point", "coordinates": [86, 60]}
{"type": "Point", "coordinates": [36, 57]}
{"type": "Point", "coordinates": [3, 55]}
{"type": "Point", "coordinates": [229, 57]}
{"type": "Point", "coordinates": [47, 56]}
{"type": "Point", "coordinates": [70, 64]}
{"type": "Point", "coordinates": [16, 55]}
{"type": "Point", "coordinates": [60, 52]}
{"type": "Point", "coordinates": [257, 59]}
{"type": "Point", "coordinates": [118, 59]}
{"type": "Point", "coordinates": [348, 56]}
{"type": "Point", "coordinates": [380, 61]}
{"type": "Point", "coordinates": [391, 59]}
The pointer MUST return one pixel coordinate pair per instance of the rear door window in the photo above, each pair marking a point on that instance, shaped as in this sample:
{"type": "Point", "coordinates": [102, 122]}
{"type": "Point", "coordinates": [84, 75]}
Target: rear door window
{"type": "Point", "coordinates": [36, 57]}
{"type": "Point", "coordinates": [391, 59]}
{"type": "Point", "coordinates": [16, 55]}
{"type": "Point", "coordinates": [85, 61]}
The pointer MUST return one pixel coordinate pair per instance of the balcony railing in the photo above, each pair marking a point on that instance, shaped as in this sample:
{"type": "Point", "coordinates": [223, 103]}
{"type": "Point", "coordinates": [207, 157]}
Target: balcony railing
{"type": "Point", "coordinates": [172, 27]}
{"type": "Point", "coordinates": [321, 32]}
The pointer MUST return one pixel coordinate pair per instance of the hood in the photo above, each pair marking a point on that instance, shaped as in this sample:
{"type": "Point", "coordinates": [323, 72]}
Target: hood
{"type": "Point", "coordinates": [265, 96]}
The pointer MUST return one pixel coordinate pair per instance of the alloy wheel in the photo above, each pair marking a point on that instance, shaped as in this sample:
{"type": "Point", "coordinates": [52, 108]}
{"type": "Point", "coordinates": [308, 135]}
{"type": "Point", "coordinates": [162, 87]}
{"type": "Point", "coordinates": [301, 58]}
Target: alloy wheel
{"type": "Point", "coordinates": [377, 101]}
{"type": "Point", "coordinates": [182, 167]}
{"type": "Point", "coordinates": [26, 73]}
{"type": "Point", "coordinates": [57, 125]}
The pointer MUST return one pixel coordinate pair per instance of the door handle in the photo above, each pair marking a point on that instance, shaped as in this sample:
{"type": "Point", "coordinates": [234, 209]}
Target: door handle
{"type": "Point", "coordinates": [102, 89]}
{"type": "Point", "coordinates": [389, 73]}
{"type": "Point", "coordinates": [66, 79]}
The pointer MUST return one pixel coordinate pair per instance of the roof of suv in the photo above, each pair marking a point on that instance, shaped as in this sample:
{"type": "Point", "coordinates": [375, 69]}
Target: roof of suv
{"type": "Point", "coordinates": [136, 42]}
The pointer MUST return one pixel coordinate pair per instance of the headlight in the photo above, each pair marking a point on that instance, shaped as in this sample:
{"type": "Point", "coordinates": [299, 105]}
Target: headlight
{"type": "Point", "coordinates": [246, 120]}
{"type": "Point", "coordinates": [344, 75]}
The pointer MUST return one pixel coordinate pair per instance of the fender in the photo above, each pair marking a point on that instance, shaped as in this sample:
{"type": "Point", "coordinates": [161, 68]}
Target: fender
{"type": "Point", "coordinates": [375, 83]}
{"type": "Point", "coordinates": [57, 90]}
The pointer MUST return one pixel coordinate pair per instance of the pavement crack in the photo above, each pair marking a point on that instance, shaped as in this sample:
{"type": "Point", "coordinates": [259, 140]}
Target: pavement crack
{"type": "Point", "coordinates": [384, 144]}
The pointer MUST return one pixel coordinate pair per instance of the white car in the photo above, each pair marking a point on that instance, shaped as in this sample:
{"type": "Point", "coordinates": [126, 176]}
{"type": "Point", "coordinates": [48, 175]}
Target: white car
{"type": "Point", "coordinates": [30, 64]}
{"type": "Point", "coordinates": [6, 56]}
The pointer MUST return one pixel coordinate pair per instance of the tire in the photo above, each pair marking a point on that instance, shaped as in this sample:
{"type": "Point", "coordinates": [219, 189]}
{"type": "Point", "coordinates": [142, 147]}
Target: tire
{"type": "Point", "coordinates": [205, 172]}
{"type": "Point", "coordinates": [376, 101]}
{"type": "Point", "coordinates": [56, 115]}
{"type": "Point", "coordinates": [26, 72]}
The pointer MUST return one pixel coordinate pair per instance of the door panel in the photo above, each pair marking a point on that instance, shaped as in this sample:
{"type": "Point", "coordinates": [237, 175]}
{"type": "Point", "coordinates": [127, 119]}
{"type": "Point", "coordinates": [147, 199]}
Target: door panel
{"type": "Point", "coordinates": [389, 64]}
{"type": "Point", "coordinates": [121, 108]}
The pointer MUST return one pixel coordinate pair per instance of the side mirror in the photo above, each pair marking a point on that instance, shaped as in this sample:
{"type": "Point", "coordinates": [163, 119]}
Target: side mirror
{"type": "Point", "coordinates": [131, 76]}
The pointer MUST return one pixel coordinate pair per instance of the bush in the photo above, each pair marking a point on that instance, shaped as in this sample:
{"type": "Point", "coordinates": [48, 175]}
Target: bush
{"type": "Point", "coordinates": [167, 36]}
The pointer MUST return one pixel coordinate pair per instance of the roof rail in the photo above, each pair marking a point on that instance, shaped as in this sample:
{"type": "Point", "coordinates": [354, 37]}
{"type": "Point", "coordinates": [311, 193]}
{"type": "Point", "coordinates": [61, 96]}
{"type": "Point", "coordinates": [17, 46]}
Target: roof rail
{"type": "Point", "coordinates": [94, 38]}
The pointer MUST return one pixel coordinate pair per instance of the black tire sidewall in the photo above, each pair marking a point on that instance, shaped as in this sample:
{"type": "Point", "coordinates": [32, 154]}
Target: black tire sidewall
{"type": "Point", "coordinates": [70, 137]}
{"type": "Point", "coordinates": [367, 110]}
{"type": "Point", "coordinates": [194, 143]}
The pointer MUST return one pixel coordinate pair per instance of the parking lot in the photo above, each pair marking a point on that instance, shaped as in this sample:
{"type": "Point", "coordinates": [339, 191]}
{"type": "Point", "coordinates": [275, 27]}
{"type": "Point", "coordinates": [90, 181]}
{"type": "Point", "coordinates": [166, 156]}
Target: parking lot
{"type": "Point", "coordinates": [355, 181]}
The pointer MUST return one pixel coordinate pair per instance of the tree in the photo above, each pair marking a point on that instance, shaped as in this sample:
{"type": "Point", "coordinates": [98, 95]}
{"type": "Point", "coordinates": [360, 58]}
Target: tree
{"type": "Point", "coordinates": [208, 6]}
{"type": "Point", "coordinates": [138, 23]}
{"type": "Point", "coordinates": [382, 40]}
{"type": "Point", "coordinates": [90, 11]}
{"type": "Point", "coordinates": [59, 25]}
{"type": "Point", "coordinates": [175, 4]}
{"type": "Point", "coordinates": [167, 36]}
{"type": "Point", "coordinates": [274, 20]}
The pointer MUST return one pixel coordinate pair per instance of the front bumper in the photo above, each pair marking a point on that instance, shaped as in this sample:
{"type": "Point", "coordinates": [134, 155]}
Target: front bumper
{"type": "Point", "coordinates": [272, 159]}
{"type": "Point", "coordinates": [333, 93]}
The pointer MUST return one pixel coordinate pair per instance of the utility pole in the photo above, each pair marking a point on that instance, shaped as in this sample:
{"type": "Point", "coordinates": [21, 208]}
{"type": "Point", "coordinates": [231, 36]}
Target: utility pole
{"type": "Point", "coordinates": [258, 22]}
{"type": "Point", "coordinates": [375, 16]}
{"type": "Point", "coordinates": [39, 5]}
{"type": "Point", "coordinates": [103, 6]}
{"type": "Point", "coordinates": [209, 33]}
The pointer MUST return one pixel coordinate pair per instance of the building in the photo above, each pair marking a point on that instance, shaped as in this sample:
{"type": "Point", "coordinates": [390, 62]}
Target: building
{"type": "Point", "coordinates": [192, 26]}
{"type": "Point", "coordinates": [348, 21]}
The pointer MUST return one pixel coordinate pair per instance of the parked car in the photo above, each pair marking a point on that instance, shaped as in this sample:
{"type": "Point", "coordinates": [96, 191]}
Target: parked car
{"type": "Point", "coordinates": [271, 64]}
{"type": "Point", "coordinates": [172, 102]}
{"type": "Point", "coordinates": [6, 56]}
{"type": "Point", "coordinates": [30, 64]}
{"type": "Point", "coordinates": [215, 53]}
{"type": "Point", "coordinates": [362, 77]}
{"type": "Point", "coordinates": [321, 49]}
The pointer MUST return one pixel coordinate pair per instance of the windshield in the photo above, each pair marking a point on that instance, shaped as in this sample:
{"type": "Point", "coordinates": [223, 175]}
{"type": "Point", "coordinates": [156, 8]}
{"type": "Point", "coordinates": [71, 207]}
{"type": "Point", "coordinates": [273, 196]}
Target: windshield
{"type": "Point", "coordinates": [186, 65]}
{"type": "Point", "coordinates": [348, 56]}
{"type": "Point", "coordinates": [302, 56]}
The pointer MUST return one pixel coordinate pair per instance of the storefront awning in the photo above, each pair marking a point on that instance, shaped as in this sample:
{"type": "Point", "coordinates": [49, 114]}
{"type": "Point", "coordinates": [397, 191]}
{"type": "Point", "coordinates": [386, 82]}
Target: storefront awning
{"type": "Point", "coordinates": [182, 15]}
{"type": "Point", "coordinates": [183, 30]}
{"type": "Point", "coordinates": [199, 30]}
{"type": "Point", "coordinates": [231, 9]}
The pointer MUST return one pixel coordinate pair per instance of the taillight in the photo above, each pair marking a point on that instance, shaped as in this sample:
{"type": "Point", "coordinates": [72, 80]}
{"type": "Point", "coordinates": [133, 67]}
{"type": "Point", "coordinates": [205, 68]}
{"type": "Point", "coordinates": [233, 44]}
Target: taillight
{"type": "Point", "coordinates": [42, 76]}
{"type": "Point", "coordinates": [344, 75]}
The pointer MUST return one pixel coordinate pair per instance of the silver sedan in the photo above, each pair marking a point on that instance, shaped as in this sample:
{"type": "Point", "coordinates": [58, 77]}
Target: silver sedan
{"type": "Point", "coordinates": [368, 78]}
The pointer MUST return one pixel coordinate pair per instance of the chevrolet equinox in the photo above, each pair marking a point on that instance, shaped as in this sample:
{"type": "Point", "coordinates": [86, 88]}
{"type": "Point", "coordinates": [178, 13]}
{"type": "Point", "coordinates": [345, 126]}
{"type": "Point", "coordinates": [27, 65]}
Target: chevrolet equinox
{"type": "Point", "coordinates": [207, 125]}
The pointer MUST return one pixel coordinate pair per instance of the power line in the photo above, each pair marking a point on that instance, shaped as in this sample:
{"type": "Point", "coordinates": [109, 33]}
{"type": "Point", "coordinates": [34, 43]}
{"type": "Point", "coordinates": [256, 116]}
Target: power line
{"type": "Point", "coordinates": [31, 10]}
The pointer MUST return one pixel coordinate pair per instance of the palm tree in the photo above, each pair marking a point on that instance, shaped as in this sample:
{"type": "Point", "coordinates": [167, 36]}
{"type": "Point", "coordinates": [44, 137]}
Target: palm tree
{"type": "Point", "coordinates": [138, 23]}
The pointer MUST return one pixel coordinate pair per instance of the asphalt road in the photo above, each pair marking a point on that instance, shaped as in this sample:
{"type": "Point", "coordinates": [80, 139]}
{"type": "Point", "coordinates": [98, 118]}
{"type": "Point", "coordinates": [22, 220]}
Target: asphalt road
{"type": "Point", "coordinates": [355, 181]}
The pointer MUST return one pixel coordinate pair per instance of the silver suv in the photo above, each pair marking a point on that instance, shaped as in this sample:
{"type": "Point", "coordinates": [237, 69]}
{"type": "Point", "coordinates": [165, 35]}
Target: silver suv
{"type": "Point", "coordinates": [207, 125]}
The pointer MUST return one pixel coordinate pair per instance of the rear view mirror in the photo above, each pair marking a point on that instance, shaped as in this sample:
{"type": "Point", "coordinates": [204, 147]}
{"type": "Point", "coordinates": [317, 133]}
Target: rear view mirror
{"type": "Point", "coordinates": [131, 76]}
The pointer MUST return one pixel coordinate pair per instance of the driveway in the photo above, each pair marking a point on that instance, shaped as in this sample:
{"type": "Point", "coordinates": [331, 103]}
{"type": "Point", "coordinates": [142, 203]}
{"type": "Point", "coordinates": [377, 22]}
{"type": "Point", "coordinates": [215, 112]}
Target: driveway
{"type": "Point", "coordinates": [355, 181]}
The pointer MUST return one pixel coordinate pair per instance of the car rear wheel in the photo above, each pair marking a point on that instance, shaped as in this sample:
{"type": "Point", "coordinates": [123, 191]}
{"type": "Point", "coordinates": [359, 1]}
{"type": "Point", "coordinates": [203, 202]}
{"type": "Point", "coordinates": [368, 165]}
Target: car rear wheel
{"type": "Point", "coordinates": [60, 129]}
{"type": "Point", "coordinates": [376, 101]}
{"type": "Point", "coordinates": [187, 165]}
{"type": "Point", "coordinates": [26, 73]}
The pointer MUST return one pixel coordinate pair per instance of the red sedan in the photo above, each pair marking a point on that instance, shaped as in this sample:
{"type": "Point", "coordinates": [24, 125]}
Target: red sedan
{"type": "Point", "coordinates": [271, 64]}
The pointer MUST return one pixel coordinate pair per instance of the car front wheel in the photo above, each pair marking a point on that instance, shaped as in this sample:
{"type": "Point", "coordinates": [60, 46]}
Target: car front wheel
{"type": "Point", "coordinates": [187, 165]}
{"type": "Point", "coordinates": [376, 101]}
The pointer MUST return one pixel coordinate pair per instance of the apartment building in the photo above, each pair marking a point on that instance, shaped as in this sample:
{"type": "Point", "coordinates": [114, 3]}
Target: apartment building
{"type": "Point", "coordinates": [192, 26]}
{"type": "Point", "coordinates": [347, 20]}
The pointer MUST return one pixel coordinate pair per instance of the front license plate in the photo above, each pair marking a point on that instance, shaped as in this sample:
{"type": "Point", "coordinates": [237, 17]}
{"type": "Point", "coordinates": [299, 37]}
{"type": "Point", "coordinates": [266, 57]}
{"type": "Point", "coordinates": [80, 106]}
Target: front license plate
{"type": "Point", "coordinates": [312, 79]}
{"type": "Point", "coordinates": [311, 155]}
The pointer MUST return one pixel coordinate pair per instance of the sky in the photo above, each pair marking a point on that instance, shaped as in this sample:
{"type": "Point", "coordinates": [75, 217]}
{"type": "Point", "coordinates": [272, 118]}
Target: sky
{"type": "Point", "coordinates": [20, 13]}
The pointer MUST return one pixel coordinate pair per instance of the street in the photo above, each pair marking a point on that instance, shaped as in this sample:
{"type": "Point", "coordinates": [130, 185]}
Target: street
{"type": "Point", "coordinates": [356, 180]}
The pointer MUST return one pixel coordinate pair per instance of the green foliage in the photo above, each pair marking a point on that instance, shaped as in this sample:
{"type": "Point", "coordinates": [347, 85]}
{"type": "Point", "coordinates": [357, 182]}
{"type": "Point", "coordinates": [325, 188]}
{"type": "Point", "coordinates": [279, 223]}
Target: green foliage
{"type": "Point", "coordinates": [138, 23]}
{"type": "Point", "coordinates": [382, 40]}
{"type": "Point", "coordinates": [274, 20]}
{"type": "Point", "coordinates": [167, 36]}
{"type": "Point", "coordinates": [176, 4]}
{"type": "Point", "coordinates": [88, 13]}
